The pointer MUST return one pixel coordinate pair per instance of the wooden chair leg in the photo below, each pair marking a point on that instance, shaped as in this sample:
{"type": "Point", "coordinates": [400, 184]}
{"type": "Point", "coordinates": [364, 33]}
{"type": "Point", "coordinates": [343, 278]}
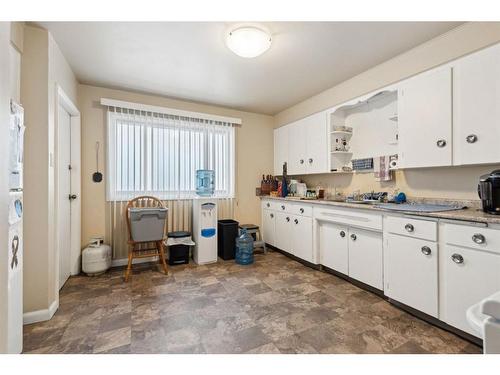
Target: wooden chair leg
{"type": "Point", "coordinates": [162, 256]}
{"type": "Point", "coordinates": [129, 266]}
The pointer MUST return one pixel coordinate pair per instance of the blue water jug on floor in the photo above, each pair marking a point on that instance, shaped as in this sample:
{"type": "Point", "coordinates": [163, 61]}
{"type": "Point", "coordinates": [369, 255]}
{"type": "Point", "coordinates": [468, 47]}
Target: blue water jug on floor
{"type": "Point", "coordinates": [244, 248]}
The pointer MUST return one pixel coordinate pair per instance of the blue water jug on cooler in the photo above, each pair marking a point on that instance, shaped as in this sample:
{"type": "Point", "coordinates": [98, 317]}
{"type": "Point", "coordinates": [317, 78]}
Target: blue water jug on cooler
{"type": "Point", "coordinates": [244, 248]}
{"type": "Point", "coordinates": [205, 185]}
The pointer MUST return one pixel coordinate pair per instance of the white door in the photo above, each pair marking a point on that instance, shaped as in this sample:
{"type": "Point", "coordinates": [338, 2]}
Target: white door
{"type": "Point", "coordinates": [333, 247]}
{"type": "Point", "coordinates": [301, 229]}
{"type": "Point", "coordinates": [411, 267]}
{"type": "Point", "coordinates": [280, 149]}
{"type": "Point", "coordinates": [424, 120]}
{"type": "Point", "coordinates": [476, 98]}
{"type": "Point", "coordinates": [469, 276]}
{"type": "Point", "coordinates": [282, 232]}
{"type": "Point", "coordinates": [297, 143]}
{"type": "Point", "coordinates": [365, 257]}
{"type": "Point", "coordinates": [64, 192]}
{"type": "Point", "coordinates": [316, 129]}
{"type": "Point", "coordinates": [268, 224]}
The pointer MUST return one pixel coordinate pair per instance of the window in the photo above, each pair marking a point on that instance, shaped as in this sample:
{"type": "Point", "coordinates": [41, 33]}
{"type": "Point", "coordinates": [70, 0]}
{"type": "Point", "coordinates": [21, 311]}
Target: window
{"type": "Point", "coordinates": [158, 154]}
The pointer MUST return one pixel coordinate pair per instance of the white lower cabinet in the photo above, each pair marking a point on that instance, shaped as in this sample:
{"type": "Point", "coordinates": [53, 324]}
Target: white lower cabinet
{"type": "Point", "coordinates": [365, 257]}
{"type": "Point", "coordinates": [469, 276]}
{"type": "Point", "coordinates": [301, 235]}
{"type": "Point", "coordinates": [268, 227]}
{"type": "Point", "coordinates": [282, 224]}
{"type": "Point", "coordinates": [411, 272]}
{"type": "Point", "coordinates": [333, 246]}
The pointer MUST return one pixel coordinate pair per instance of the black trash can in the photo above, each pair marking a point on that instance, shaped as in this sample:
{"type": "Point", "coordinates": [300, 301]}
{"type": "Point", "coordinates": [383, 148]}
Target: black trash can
{"type": "Point", "coordinates": [178, 254]}
{"type": "Point", "coordinates": [226, 238]}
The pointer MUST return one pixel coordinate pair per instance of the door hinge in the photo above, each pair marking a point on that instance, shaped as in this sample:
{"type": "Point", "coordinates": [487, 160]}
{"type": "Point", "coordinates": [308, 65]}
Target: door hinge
{"type": "Point", "coordinates": [70, 167]}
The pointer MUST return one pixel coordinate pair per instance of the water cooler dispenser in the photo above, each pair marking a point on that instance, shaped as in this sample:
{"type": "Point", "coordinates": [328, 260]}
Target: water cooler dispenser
{"type": "Point", "coordinates": [205, 230]}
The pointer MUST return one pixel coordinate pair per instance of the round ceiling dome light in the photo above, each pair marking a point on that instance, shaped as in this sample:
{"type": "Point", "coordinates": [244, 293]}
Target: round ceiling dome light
{"type": "Point", "coordinates": [248, 40]}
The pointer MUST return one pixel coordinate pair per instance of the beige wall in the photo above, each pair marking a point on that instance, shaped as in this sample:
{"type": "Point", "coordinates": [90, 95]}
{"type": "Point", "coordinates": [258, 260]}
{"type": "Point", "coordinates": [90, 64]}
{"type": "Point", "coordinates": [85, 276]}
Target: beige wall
{"type": "Point", "coordinates": [43, 66]}
{"type": "Point", "coordinates": [452, 182]}
{"type": "Point", "coordinates": [254, 153]}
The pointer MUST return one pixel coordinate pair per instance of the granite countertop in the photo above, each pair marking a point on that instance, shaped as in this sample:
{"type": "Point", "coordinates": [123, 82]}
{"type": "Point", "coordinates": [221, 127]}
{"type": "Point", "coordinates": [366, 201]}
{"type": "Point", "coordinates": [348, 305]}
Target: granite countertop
{"type": "Point", "coordinates": [472, 213]}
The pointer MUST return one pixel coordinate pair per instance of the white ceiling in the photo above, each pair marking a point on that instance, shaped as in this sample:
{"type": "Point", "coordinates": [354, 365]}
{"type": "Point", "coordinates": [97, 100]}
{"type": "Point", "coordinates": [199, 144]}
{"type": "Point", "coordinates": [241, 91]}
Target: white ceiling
{"type": "Point", "coordinates": [189, 60]}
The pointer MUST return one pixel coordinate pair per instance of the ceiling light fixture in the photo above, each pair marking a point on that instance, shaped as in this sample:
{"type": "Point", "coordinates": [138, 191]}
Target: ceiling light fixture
{"type": "Point", "coordinates": [248, 40]}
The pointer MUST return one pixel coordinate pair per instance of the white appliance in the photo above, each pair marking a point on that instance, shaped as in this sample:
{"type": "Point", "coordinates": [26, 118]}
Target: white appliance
{"type": "Point", "coordinates": [205, 230]}
{"type": "Point", "coordinates": [15, 241]}
{"type": "Point", "coordinates": [484, 318]}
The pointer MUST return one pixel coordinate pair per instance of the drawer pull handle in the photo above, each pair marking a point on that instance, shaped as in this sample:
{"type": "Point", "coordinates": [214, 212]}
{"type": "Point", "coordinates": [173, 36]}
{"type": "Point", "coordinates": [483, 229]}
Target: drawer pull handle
{"type": "Point", "coordinates": [301, 210]}
{"type": "Point", "coordinates": [268, 205]}
{"type": "Point", "coordinates": [426, 250]}
{"type": "Point", "coordinates": [471, 138]}
{"type": "Point", "coordinates": [478, 238]}
{"type": "Point", "coordinates": [296, 221]}
{"type": "Point", "coordinates": [342, 234]}
{"type": "Point", "coordinates": [457, 258]}
{"type": "Point", "coordinates": [287, 219]}
{"type": "Point", "coordinates": [441, 143]}
{"type": "Point", "coordinates": [282, 207]}
{"type": "Point", "coordinates": [301, 161]}
{"type": "Point", "coordinates": [272, 215]}
{"type": "Point", "coordinates": [310, 161]}
{"type": "Point", "coordinates": [353, 237]}
{"type": "Point", "coordinates": [409, 227]}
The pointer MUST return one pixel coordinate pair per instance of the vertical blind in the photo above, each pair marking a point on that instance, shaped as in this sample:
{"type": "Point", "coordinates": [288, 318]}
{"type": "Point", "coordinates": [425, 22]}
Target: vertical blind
{"type": "Point", "coordinates": [158, 154]}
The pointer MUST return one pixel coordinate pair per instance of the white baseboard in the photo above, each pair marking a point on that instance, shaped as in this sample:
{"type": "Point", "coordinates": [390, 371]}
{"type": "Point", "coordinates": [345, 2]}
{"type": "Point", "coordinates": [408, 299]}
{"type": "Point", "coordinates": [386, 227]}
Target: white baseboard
{"type": "Point", "coordinates": [124, 261]}
{"type": "Point", "coordinates": [41, 315]}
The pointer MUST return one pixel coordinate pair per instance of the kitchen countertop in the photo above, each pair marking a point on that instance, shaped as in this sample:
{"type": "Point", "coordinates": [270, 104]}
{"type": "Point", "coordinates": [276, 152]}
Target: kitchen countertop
{"type": "Point", "coordinates": [472, 214]}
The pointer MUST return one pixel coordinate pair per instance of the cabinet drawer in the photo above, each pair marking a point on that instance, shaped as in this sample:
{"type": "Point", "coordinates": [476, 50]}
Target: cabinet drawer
{"type": "Point", "coordinates": [351, 217]}
{"type": "Point", "coordinates": [426, 230]}
{"type": "Point", "coordinates": [270, 204]}
{"type": "Point", "coordinates": [300, 209]}
{"type": "Point", "coordinates": [474, 237]}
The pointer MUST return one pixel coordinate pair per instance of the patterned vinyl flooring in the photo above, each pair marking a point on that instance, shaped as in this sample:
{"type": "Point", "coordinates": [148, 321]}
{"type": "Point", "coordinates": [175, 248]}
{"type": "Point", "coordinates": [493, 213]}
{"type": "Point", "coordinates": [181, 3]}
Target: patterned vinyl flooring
{"type": "Point", "coordinates": [276, 305]}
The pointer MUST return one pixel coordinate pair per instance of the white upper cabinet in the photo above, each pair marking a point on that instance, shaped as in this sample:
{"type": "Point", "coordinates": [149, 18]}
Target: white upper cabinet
{"type": "Point", "coordinates": [297, 148]}
{"type": "Point", "coordinates": [280, 149]}
{"type": "Point", "coordinates": [308, 145]}
{"type": "Point", "coordinates": [476, 108]}
{"type": "Point", "coordinates": [425, 120]}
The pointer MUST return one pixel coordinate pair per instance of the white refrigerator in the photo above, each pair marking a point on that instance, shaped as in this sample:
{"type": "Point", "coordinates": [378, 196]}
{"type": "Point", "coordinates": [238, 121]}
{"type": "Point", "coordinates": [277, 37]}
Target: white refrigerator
{"type": "Point", "coordinates": [15, 239]}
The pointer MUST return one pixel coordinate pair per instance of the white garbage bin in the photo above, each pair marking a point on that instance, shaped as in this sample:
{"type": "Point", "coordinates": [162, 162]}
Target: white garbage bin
{"type": "Point", "coordinates": [484, 318]}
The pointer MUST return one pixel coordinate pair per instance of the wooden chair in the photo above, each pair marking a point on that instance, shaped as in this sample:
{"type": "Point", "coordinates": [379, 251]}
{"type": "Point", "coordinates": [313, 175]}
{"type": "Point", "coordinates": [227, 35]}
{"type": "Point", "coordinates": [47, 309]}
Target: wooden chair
{"type": "Point", "coordinates": [143, 249]}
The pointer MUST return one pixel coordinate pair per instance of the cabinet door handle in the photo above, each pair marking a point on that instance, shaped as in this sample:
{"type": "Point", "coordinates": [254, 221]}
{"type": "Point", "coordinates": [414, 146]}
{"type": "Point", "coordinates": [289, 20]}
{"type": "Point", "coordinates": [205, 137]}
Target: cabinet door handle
{"type": "Point", "coordinates": [268, 205]}
{"type": "Point", "coordinates": [409, 227]}
{"type": "Point", "coordinates": [287, 219]}
{"type": "Point", "coordinates": [478, 238]}
{"type": "Point", "coordinates": [342, 234]}
{"type": "Point", "coordinates": [457, 258]}
{"type": "Point", "coordinates": [472, 138]}
{"type": "Point", "coordinates": [310, 161]}
{"type": "Point", "coordinates": [353, 237]}
{"type": "Point", "coordinates": [441, 143]}
{"type": "Point", "coordinates": [282, 207]}
{"type": "Point", "coordinates": [301, 161]}
{"type": "Point", "coordinates": [301, 210]}
{"type": "Point", "coordinates": [426, 250]}
{"type": "Point", "coordinates": [296, 221]}
{"type": "Point", "coordinates": [272, 215]}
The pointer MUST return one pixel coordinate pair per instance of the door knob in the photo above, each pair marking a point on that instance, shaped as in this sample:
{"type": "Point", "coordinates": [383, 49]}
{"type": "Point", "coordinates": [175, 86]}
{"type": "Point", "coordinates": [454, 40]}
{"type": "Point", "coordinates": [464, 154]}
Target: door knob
{"type": "Point", "coordinates": [409, 227]}
{"type": "Point", "coordinates": [353, 237]}
{"type": "Point", "coordinates": [426, 250]}
{"type": "Point", "coordinates": [471, 138]}
{"type": "Point", "coordinates": [457, 258]}
{"type": "Point", "coordinates": [478, 238]}
{"type": "Point", "coordinates": [72, 197]}
{"type": "Point", "coordinates": [441, 143]}
{"type": "Point", "coordinates": [342, 234]}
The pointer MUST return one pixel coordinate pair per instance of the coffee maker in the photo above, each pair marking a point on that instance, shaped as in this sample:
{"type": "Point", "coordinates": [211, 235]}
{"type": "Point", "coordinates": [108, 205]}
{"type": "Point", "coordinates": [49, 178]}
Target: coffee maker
{"type": "Point", "coordinates": [489, 192]}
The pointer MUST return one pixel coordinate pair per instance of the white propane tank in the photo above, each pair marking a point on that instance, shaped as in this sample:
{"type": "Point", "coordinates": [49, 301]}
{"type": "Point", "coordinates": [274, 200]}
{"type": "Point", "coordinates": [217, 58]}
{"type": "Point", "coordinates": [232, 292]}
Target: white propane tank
{"type": "Point", "coordinates": [96, 259]}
